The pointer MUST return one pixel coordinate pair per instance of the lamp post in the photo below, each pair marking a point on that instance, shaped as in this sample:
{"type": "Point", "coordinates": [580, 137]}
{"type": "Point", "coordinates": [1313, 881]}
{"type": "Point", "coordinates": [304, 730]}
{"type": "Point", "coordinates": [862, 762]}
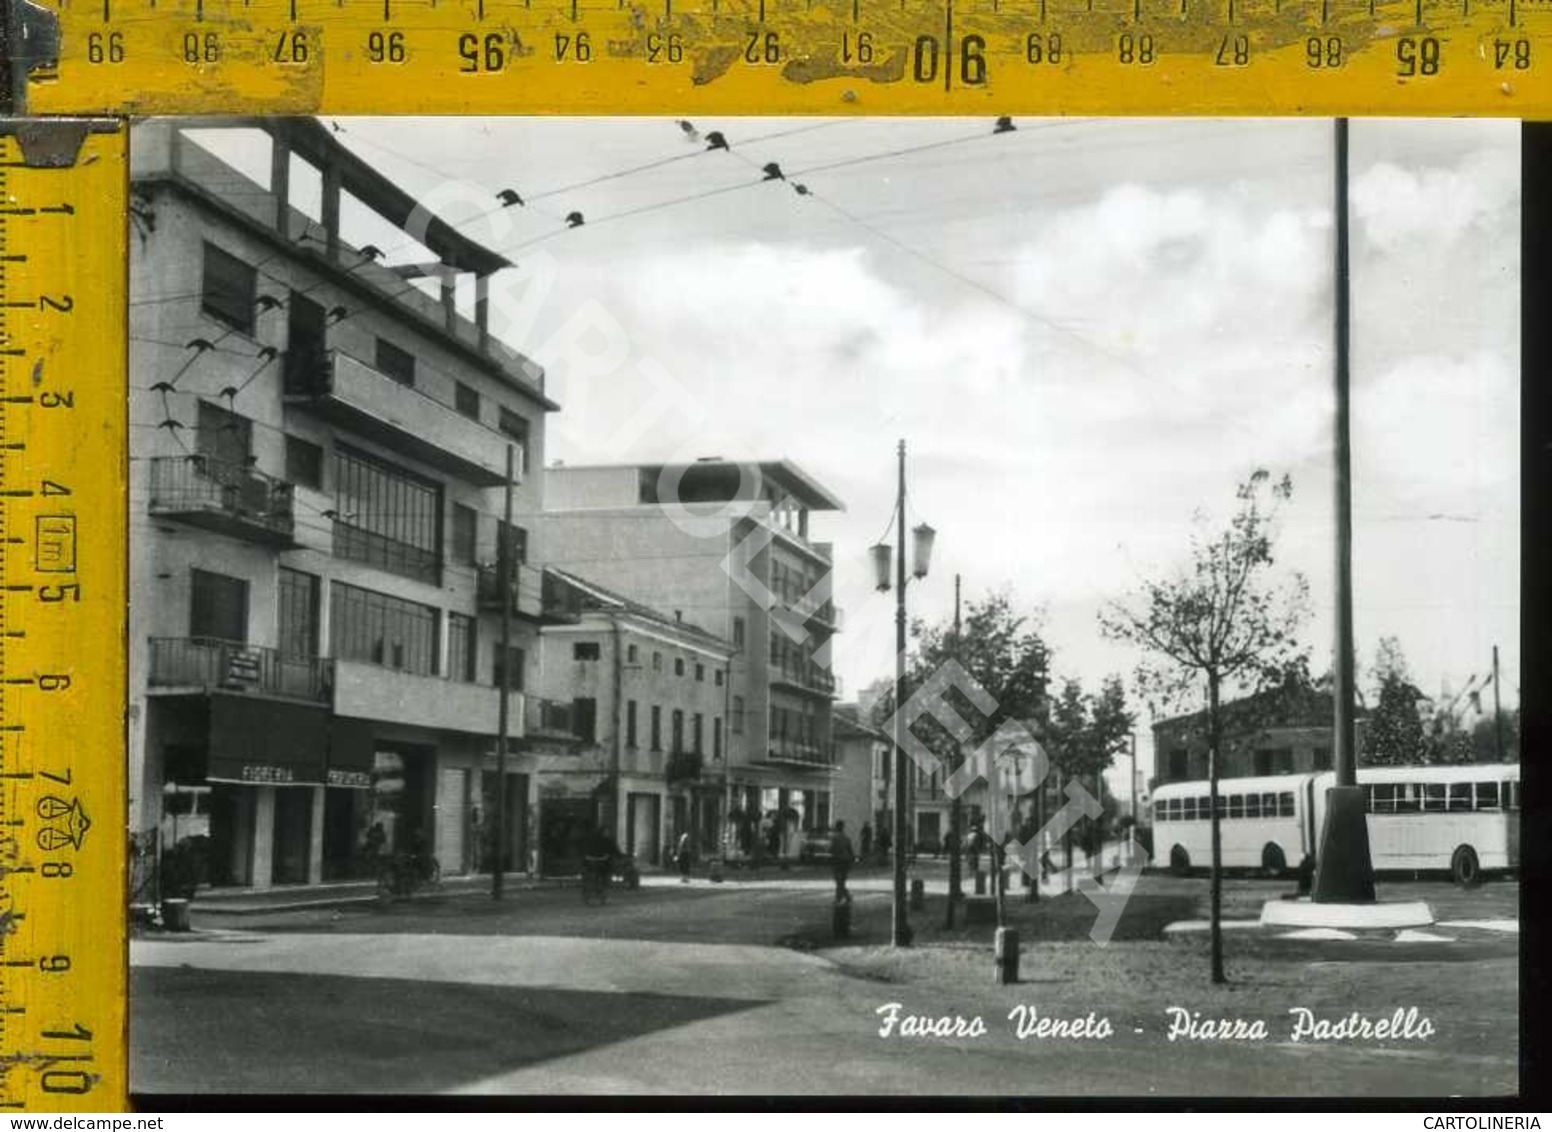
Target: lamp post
{"type": "Point", "coordinates": [921, 553]}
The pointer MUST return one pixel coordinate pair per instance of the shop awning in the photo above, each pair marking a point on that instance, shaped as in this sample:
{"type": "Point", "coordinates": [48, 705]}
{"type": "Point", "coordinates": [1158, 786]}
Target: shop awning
{"type": "Point", "coordinates": [266, 741]}
{"type": "Point", "coordinates": [352, 746]}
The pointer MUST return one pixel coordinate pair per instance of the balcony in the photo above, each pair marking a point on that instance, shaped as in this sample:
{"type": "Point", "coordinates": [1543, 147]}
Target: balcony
{"type": "Point", "coordinates": [810, 679]}
{"type": "Point", "coordinates": [229, 499]}
{"type": "Point", "coordinates": [371, 691]}
{"type": "Point", "coordinates": [550, 727]}
{"type": "Point", "coordinates": [541, 597]}
{"type": "Point", "coordinates": [205, 664]}
{"type": "Point", "coordinates": [797, 754]}
{"type": "Point", "coordinates": [683, 766]}
{"type": "Point", "coordinates": [358, 397]}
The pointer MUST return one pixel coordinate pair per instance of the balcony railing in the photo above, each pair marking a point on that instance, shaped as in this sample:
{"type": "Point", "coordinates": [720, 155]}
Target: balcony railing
{"type": "Point", "coordinates": [808, 754]}
{"type": "Point", "coordinates": [231, 499]}
{"type": "Point", "coordinates": [807, 678]}
{"type": "Point", "coordinates": [683, 766]}
{"type": "Point", "coordinates": [540, 596]}
{"type": "Point", "coordinates": [210, 664]}
{"type": "Point", "coordinates": [363, 398]}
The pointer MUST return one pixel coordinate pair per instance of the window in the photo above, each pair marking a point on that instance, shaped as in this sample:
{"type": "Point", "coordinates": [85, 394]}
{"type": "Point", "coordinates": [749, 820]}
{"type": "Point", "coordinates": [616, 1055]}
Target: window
{"type": "Point", "coordinates": [463, 648]}
{"type": "Point", "coordinates": [1179, 764]}
{"type": "Point", "coordinates": [1253, 806]}
{"type": "Point", "coordinates": [738, 633]}
{"type": "Point", "coordinates": [466, 534]}
{"type": "Point", "coordinates": [1174, 809]}
{"type": "Point", "coordinates": [584, 714]}
{"type": "Point", "coordinates": [517, 540]}
{"type": "Point", "coordinates": [657, 728]}
{"type": "Point", "coordinates": [223, 435]}
{"type": "Point", "coordinates": [697, 728]}
{"type": "Point", "coordinates": [1460, 797]}
{"type": "Point", "coordinates": [373, 627]}
{"type": "Point", "coordinates": [716, 737]}
{"type": "Point", "coordinates": [298, 613]}
{"type": "Point", "coordinates": [1160, 811]}
{"type": "Point", "coordinates": [1285, 804]}
{"type": "Point", "coordinates": [1408, 798]}
{"type": "Point", "coordinates": [386, 517]}
{"type": "Point", "coordinates": [517, 428]}
{"type": "Point", "coordinates": [700, 674]}
{"type": "Point", "coordinates": [630, 654]}
{"type": "Point", "coordinates": [584, 650]}
{"type": "Point", "coordinates": [1433, 796]}
{"type": "Point", "coordinates": [630, 723]}
{"type": "Point", "coordinates": [466, 400]}
{"type": "Point", "coordinates": [677, 735]}
{"type": "Point", "coordinates": [1487, 795]}
{"type": "Point", "coordinates": [218, 606]}
{"type": "Point", "coordinates": [1382, 798]}
{"type": "Point", "coordinates": [1236, 805]}
{"type": "Point", "coordinates": [657, 662]}
{"type": "Point", "coordinates": [1188, 809]}
{"type": "Point", "coordinates": [678, 666]}
{"type": "Point", "coordinates": [518, 659]}
{"type": "Point", "coordinates": [1269, 805]}
{"type": "Point", "coordinates": [397, 363]}
{"type": "Point", "coordinates": [738, 715]}
{"type": "Point", "coordinates": [229, 290]}
{"type": "Point", "coordinates": [719, 677]}
{"type": "Point", "coordinates": [304, 462]}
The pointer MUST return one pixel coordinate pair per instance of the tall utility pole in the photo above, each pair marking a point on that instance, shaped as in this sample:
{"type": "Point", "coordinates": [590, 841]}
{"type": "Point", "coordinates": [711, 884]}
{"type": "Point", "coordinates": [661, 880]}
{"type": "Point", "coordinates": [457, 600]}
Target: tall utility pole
{"type": "Point", "coordinates": [1345, 871]}
{"type": "Point", "coordinates": [505, 589]}
{"type": "Point", "coordinates": [955, 883]}
{"type": "Point", "coordinates": [1498, 738]}
{"type": "Point", "coordinates": [900, 935]}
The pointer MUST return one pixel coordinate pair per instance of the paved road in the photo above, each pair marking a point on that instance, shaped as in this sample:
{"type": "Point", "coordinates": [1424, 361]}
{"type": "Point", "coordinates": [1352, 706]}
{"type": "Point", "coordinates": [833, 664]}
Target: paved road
{"type": "Point", "coordinates": [678, 990]}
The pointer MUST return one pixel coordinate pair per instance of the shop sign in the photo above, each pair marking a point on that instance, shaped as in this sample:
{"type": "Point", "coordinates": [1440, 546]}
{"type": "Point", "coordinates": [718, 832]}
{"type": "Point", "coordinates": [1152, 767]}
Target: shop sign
{"type": "Point", "coordinates": [356, 779]}
{"type": "Point", "coordinates": [262, 773]}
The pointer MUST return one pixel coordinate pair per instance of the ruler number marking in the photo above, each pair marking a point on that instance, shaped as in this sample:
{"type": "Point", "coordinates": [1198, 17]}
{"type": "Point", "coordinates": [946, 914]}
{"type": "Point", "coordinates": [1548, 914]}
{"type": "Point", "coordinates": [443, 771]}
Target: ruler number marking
{"type": "Point", "coordinates": [486, 55]}
{"type": "Point", "coordinates": [1043, 48]}
{"type": "Point", "coordinates": [1135, 49]}
{"type": "Point", "coordinates": [577, 47]}
{"type": "Point", "coordinates": [201, 47]}
{"type": "Point", "coordinates": [1417, 56]}
{"type": "Point", "coordinates": [290, 47]}
{"type": "Point", "coordinates": [763, 47]}
{"type": "Point", "coordinates": [385, 47]}
{"type": "Point", "coordinates": [1323, 52]}
{"type": "Point", "coordinates": [1513, 54]}
{"type": "Point", "coordinates": [1233, 51]}
{"type": "Point", "coordinates": [105, 47]}
{"type": "Point", "coordinates": [665, 48]}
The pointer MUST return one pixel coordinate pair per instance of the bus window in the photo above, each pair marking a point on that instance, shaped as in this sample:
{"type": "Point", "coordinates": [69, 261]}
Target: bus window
{"type": "Point", "coordinates": [1433, 797]}
{"type": "Point", "coordinates": [1487, 795]}
{"type": "Point", "coordinates": [1253, 806]}
{"type": "Point", "coordinates": [1285, 804]}
{"type": "Point", "coordinates": [1269, 805]}
{"type": "Point", "coordinates": [1188, 809]}
{"type": "Point", "coordinates": [1460, 797]}
{"type": "Point", "coordinates": [1382, 798]}
{"type": "Point", "coordinates": [1204, 807]}
{"type": "Point", "coordinates": [1368, 797]}
{"type": "Point", "coordinates": [1174, 809]}
{"type": "Point", "coordinates": [1408, 797]}
{"type": "Point", "coordinates": [1159, 810]}
{"type": "Point", "coordinates": [1236, 805]}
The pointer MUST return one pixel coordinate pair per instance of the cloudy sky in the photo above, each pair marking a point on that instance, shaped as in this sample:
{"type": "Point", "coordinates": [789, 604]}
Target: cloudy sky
{"type": "Point", "coordinates": [1085, 330]}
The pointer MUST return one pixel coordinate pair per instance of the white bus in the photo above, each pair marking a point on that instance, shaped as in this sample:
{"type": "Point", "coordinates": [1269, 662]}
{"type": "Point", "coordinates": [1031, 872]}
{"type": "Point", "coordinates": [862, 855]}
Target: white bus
{"type": "Point", "coordinates": [1464, 818]}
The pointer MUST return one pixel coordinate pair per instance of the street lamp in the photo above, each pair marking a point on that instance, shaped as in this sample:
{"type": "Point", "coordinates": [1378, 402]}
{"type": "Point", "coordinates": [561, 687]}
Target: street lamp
{"type": "Point", "coordinates": [922, 537]}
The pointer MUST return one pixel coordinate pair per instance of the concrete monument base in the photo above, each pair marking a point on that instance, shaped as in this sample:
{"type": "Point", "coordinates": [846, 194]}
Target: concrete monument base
{"type": "Point", "coordinates": [1306, 913]}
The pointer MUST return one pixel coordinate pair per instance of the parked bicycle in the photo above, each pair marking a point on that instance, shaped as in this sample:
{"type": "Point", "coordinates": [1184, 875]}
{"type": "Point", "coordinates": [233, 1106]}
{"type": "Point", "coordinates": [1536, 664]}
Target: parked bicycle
{"type": "Point", "coordinates": [405, 873]}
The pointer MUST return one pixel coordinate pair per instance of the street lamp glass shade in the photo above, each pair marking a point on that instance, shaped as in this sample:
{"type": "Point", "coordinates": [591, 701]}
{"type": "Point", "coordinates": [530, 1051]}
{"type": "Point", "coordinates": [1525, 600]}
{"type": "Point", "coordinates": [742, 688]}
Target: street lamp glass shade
{"type": "Point", "coordinates": [880, 553]}
{"type": "Point", "coordinates": [921, 549]}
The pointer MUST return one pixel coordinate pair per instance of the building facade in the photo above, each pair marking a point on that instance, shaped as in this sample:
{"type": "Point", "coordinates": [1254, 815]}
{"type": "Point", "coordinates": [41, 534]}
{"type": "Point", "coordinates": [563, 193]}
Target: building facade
{"type": "Point", "coordinates": [1284, 731]}
{"type": "Point", "coordinates": [649, 701]}
{"type": "Point", "coordinates": [726, 546]}
{"type": "Point", "coordinates": [319, 456]}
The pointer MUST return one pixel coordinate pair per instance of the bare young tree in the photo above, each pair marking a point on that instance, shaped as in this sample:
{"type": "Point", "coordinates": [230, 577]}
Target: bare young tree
{"type": "Point", "coordinates": [1221, 619]}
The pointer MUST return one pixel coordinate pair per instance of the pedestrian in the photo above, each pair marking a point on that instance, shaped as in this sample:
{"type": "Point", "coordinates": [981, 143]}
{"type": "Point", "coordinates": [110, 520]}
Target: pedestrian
{"type": "Point", "coordinates": [684, 856]}
{"type": "Point", "coordinates": [951, 845]}
{"type": "Point", "coordinates": [865, 842]}
{"type": "Point", "coordinates": [840, 861]}
{"type": "Point", "coordinates": [973, 850]}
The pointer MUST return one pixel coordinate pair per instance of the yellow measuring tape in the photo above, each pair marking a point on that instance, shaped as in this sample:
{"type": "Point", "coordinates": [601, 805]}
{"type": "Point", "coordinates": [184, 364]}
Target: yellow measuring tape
{"type": "Point", "coordinates": [62, 515]}
{"type": "Point", "coordinates": [62, 273]}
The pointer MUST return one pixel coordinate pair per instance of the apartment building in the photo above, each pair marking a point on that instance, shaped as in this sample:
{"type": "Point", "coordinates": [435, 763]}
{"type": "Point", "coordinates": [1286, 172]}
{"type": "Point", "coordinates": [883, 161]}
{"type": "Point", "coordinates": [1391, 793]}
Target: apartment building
{"type": "Point", "coordinates": [1281, 731]}
{"type": "Point", "coordinates": [319, 452]}
{"type": "Point", "coordinates": [650, 695]}
{"type": "Point", "coordinates": [726, 546]}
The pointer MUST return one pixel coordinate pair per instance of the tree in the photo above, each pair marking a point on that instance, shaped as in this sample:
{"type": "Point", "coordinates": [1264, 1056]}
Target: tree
{"type": "Point", "coordinates": [1219, 620]}
{"type": "Point", "coordinates": [1006, 656]}
{"type": "Point", "coordinates": [1084, 734]}
{"type": "Point", "coordinates": [1394, 735]}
